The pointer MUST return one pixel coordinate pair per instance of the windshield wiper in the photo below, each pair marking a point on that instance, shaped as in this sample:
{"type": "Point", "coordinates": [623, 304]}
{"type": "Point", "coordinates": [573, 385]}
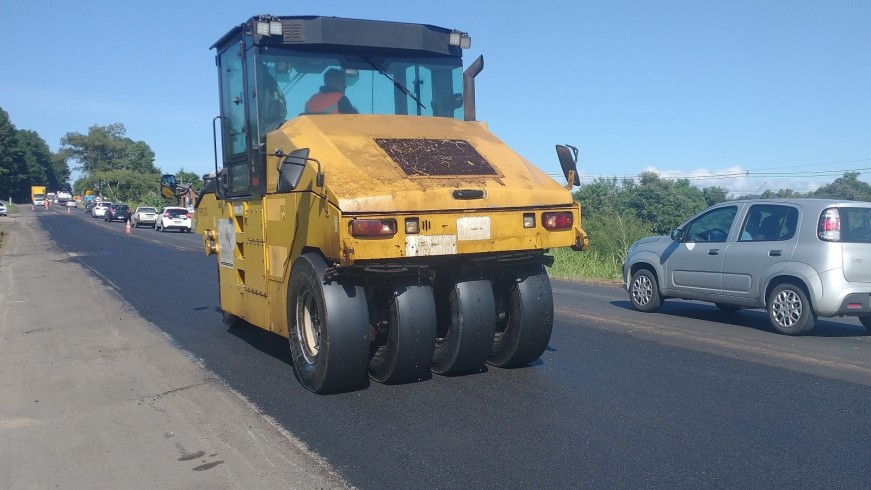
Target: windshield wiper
{"type": "Point", "coordinates": [395, 82]}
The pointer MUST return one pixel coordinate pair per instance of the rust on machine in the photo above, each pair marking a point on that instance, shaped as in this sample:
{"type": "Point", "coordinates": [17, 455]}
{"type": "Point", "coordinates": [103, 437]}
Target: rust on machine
{"type": "Point", "coordinates": [430, 157]}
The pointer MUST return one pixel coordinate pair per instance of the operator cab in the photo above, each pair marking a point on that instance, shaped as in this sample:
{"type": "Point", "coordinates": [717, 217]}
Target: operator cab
{"type": "Point", "coordinates": [269, 67]}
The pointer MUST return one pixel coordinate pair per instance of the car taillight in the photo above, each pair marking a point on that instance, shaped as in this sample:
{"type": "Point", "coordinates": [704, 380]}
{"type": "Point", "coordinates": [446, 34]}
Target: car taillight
{"type": "Point", "coordinates": [557, 221]}
{"type": "Point", "coordinates": [829, 227]}
{"type": "Point", "coordinates": [373, 227]}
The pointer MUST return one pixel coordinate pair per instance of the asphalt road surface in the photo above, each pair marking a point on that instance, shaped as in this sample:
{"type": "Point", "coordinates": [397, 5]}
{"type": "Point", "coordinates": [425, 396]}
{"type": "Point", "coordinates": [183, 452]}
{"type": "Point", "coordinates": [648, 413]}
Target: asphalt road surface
{"type": "Point", "coordinates": [686, 398]}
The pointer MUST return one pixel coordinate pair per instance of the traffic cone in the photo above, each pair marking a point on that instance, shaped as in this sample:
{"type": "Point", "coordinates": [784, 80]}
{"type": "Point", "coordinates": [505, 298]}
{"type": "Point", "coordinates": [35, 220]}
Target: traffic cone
{"type": "Point", "coordinates": [68, 210]}
{"type": "Point", "coordinates": [128, 230]}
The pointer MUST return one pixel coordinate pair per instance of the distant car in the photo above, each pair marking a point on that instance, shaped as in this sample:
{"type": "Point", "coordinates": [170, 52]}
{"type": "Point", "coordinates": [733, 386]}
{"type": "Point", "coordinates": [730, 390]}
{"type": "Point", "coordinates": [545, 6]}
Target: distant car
{"type": "Point", "coordinates": [39, 202]}
{"type": "Point", "coordinates": [174, 218]}
{"type": "Point", "coordinates": [797, 258]}
{"type": "Point", "coordinates": [99, 209]}
{"type": "Point", "coordinates": [117, 212]}
{"type": "Point", "coordinates": [71, 204]}
{"type": "Point", "coordinates": [144, 216]}
{"type": "Point", "coordinates": [3, 210]}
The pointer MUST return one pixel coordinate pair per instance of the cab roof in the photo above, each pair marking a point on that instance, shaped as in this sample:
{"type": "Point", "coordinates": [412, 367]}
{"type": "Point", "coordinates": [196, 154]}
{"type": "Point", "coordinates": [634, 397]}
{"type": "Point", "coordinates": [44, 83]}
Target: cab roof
{"type": "Point", "coordinates": [348, 35]}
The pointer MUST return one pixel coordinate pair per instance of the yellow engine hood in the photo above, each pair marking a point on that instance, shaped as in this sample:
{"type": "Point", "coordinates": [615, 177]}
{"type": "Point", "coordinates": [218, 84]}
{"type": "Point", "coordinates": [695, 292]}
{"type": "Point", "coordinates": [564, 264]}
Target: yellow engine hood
{"type": "Point", "coordinates": [389, 164]}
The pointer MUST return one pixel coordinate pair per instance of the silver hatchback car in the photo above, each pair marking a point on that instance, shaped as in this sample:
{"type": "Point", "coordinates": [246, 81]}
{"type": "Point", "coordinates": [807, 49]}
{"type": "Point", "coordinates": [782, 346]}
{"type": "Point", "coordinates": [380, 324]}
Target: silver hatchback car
{"type": "Point", "coordinates": [797, 258]}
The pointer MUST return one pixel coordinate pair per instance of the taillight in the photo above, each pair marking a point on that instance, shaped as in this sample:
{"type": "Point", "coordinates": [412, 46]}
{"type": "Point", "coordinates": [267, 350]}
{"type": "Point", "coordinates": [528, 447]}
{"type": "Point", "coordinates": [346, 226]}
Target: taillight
{"type": "Point", "coordinates": [829, 227]}
{"type": "Point", "coordinates": [166, 214]}
{"type": "Point", "coordinates": [557, 221]}
{"type": "Point", "coordinates": [373, 227]}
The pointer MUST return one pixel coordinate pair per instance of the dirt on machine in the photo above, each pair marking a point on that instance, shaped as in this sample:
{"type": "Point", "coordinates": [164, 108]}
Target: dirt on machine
{"type": "Point", "coordinates": [362, 211]}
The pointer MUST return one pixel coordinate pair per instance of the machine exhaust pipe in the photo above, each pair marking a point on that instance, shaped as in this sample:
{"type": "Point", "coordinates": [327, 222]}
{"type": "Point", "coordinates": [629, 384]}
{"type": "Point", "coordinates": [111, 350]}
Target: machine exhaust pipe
{"type": "Point", "coordinates": [469, 87]}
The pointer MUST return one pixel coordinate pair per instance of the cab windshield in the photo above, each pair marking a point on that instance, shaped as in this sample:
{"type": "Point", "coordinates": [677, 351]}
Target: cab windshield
{"type": "Point", "coordinates": [417, 86]}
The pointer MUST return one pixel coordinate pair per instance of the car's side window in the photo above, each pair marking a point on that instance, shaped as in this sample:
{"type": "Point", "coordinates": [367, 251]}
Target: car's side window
{"type": "Point", "coordinates": [769, 222]}
{"type": "Point", "coordinates": [712, 226]}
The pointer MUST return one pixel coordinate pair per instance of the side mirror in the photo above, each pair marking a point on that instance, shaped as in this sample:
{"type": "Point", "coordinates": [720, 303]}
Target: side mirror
{"type": "Point", "coordinates": [677, 235]}
{"type": "Point", "coordinates": [568, 160]}
{"type": "Point", "coordinates": [291, 169]}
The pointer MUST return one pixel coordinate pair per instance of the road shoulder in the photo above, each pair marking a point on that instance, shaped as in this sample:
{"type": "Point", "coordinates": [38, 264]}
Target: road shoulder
{"type": "Point", "coordinates": [93, 396]}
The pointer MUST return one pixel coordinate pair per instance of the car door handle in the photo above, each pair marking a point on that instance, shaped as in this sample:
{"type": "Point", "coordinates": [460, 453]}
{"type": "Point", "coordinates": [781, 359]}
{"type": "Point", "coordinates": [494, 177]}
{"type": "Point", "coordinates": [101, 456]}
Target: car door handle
{"type": "Point", "coordinates": [713, 251]}
{"type": "Point", "coordinates": [775, 253]}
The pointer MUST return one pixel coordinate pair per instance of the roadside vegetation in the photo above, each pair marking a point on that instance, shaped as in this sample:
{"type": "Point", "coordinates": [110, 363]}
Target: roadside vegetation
{"type": "Point", "coordinates": [615, 212]}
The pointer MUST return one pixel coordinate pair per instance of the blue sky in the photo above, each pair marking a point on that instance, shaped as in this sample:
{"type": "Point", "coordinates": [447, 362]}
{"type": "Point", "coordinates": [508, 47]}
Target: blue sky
{"type": "Point", "coordinates": [751, 94]}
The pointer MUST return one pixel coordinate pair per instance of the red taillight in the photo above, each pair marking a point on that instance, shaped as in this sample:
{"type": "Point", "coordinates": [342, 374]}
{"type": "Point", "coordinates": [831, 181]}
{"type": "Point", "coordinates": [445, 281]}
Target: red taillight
{"type": "Point", "coordinates": [829, 227]}
{"type": "Point", "coordinates": [166, 214]}
{"type": "Point", "coordinates": [557, 221]}
{"type": "Point", "coordinates": [373, 227]}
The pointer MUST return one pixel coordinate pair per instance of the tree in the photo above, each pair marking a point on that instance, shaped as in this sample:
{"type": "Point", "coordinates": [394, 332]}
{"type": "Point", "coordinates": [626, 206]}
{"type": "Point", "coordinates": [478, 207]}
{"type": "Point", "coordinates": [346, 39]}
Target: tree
{"type": "Point", "coordinates": [107, 148]}
{"type": "Point", "coordinates": [11, 161]}
{"type": "Point", "coordinates": [600, 195]}
{"type": "Point", "coordinates": [847, 187]}
{"type": "Point", "coordinates": [663, 203]}
{"type": "Point", "coordinates": [189, 178]}
{"type": "Point", "coordinates": [113, 165]}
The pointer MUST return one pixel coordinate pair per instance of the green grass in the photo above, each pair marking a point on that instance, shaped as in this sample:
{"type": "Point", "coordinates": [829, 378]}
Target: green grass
{"type": "Point", "coordinates": [588, 265]}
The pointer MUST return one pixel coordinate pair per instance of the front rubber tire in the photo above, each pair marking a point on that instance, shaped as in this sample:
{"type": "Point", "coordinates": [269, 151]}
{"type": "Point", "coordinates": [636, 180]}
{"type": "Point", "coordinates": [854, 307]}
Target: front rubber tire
{"type": "Point", "coordinates": [405, 353]}
{"type": "Point", "coordinates": [789, 310]}
{"type": "Point", "coordinates": [466, 331]}
{"type": "Point", "coordinates": [525, 318]}
{"type": "Point", "coordinates": [328, 329]}
{"type": "Point", "coordinates": [644, 291]}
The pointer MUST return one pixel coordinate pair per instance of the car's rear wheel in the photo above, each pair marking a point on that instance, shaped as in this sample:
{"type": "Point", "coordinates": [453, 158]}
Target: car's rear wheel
{"type": "Point", "coordinates": [789, 310]}
{"type": "Point", "coordinates": [644, 291]}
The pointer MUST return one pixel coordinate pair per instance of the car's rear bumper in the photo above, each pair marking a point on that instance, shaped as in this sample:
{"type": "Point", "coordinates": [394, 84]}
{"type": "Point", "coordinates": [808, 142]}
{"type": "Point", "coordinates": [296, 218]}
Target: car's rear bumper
{"type": "Point", "coordinates": [840, 297]}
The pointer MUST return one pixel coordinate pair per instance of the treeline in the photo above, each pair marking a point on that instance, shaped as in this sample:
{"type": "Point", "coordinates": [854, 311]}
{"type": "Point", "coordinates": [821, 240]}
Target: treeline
{"type": "Point", "coordinates": [111, 165]}
{"type": "Point", "coordinates": [617, 213]}
{"type": "Point", "coordinates": [26, 160]}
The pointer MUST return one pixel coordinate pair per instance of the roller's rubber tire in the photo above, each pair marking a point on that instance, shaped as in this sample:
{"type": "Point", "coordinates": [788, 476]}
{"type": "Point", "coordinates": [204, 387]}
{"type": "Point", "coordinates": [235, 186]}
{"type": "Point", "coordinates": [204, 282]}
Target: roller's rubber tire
{"type": "Point", "coordinates": [644, 291]}
{"type": "Point", "coordinates": [328, 329]}
{"type": "Point", "coordinates": [523, 334]}
{"type": "Point", "coordinates": [465, 336]}
{"type": "Point", "coordinates": [407, 352]}
{"type": "Point", "coordinates": [789, 310]}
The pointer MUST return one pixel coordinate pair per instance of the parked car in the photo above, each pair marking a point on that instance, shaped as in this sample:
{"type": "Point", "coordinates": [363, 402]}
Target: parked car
{"type": "Point", "coordinates": [99, 209]}
{"type": "Point", "coordinates": [144, 215]}
{"type": "Point", "coordinates": [3, 210]}
{"type": "Point", "coordinates": [797, 258]}
{"type": "Point", "coordinates": [117, 212]}
{"type": "Point", "coordinates": [173, 218]}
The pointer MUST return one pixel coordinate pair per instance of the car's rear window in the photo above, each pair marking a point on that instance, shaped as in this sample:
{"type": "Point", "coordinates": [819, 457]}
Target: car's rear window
{"type": "Point", "coordinates": [855, 225]}
{"type": "Point", "coordinates": [177, 213]}
{"type": "Point", "coordinates": [147, 210]}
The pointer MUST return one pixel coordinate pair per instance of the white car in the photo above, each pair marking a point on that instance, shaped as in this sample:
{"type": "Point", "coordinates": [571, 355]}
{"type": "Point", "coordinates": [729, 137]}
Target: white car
{"type": "Point", "coordinates": [99, 209]}
{"type": "Point", "coordinates": [71, 204]}
{"type": "Point", "coordinates": [174, 218]}
{"type": "Point", "coordinates": [144, 215]}
{"type": "Point", "coordinates": [3, 210]}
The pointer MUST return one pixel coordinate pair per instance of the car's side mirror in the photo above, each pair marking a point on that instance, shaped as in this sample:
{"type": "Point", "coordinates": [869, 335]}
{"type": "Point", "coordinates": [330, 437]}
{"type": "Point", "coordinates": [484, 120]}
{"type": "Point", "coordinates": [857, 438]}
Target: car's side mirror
{"type": "Point", "coordinates": [568, 160]}
{"type": "Point", "coordinates": [677, 235]}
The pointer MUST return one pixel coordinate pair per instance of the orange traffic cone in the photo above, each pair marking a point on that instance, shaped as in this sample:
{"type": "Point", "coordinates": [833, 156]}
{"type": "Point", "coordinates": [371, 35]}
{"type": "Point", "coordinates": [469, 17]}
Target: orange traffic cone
{"type": "Point", "coordinates": [68, 210]}
{"type": "Point", "coordinates": [128, 230]}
